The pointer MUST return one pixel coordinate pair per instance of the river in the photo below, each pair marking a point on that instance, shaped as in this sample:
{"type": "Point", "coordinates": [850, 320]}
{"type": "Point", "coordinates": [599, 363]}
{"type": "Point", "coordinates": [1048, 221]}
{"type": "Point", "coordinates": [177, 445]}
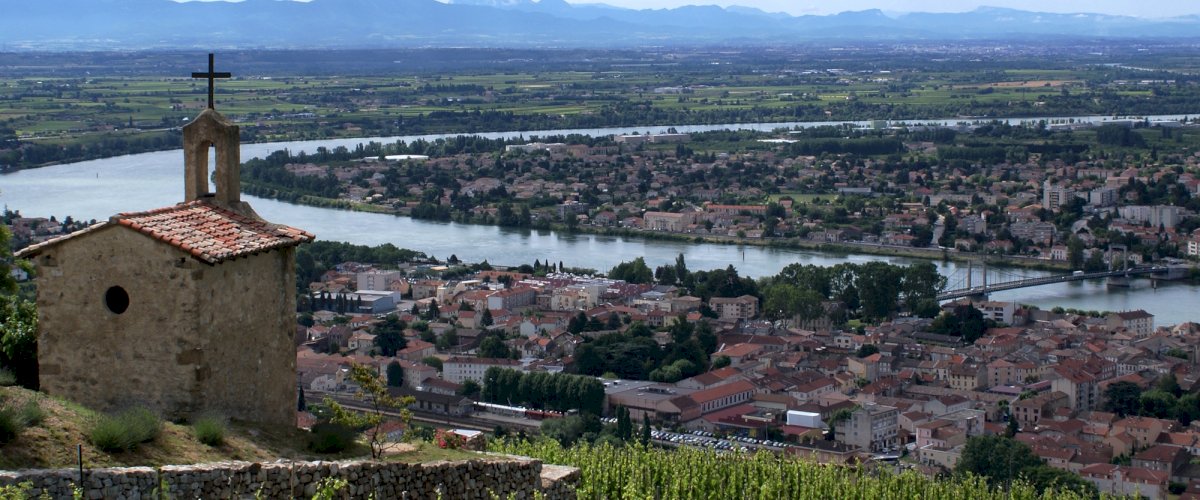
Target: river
{"type": "Point", "coordinates": [98, 189]}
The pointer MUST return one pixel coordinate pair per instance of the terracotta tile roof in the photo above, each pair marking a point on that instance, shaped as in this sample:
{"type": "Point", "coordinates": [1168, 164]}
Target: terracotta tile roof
{"type": "Point", "coordinates": [1160, 453]}
{"type": "Point", "coordinates": [722, 391]}
{"type": "Point", "coordinates": [209, 233]}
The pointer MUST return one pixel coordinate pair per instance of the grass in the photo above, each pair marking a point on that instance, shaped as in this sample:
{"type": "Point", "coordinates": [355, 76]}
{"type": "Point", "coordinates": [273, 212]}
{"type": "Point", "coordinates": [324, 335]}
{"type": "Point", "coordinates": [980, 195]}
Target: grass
{"type": "Point", "coordinates": [17, 415]}
{"type": "Point", "coordinates": [64, 425]}
{"type": "Point", "coordinates": [210, 430]}
{"type": "Point", "coordinates": [428, 452]}
{"type": "Point", "coordinates": [126, 430]}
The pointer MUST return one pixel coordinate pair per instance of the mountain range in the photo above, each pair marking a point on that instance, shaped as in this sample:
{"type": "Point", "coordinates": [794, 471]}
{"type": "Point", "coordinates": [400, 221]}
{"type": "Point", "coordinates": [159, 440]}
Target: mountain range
{"type": "Point", "coordinates": [147, 24]}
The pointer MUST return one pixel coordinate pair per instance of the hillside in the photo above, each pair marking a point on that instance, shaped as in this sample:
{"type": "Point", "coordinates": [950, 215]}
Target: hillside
{"type": "Point", "coordinates": [53, 442]}
{"type": "Point", "coordinates": [101, 25]}
{"type": "Point", "coordinates": [637, 472]}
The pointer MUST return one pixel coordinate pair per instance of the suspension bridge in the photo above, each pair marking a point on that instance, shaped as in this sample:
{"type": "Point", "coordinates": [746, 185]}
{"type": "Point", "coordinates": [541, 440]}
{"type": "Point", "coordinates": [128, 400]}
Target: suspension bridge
{"type": "Point", "coordinates": [986, 288]}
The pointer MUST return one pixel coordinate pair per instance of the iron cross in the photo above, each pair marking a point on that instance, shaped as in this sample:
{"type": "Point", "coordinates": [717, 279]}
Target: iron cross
{"type": "Point", "coordinates": [210, 76]}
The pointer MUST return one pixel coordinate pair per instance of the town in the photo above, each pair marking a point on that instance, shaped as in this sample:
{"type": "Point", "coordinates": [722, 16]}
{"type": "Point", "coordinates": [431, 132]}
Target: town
{"type": "Point", "coordinates": [870, 360]}
{"type": "Point", "coordinates": [844, 364]}
{"type": "Point", "coordinates": [1084, 391]}
{"type": "Point", "coordinates": [934, 192]}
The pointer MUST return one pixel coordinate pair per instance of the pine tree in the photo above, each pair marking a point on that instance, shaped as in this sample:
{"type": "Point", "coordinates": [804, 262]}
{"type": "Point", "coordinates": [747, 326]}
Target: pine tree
{"type": "Point", "coordinates": [645, 437]}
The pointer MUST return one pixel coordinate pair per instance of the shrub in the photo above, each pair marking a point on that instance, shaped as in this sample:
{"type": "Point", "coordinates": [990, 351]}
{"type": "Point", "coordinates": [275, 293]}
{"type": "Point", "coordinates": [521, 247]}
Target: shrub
{"type": "Point", "coordinates": [7, 378]}
{"type": "Point", "coordinates": [330, 488]}
{"type": "Point", "coordinates": [10, 425]}
{"type": "Point", "coordinates": [448, 440]}
{"type": "Point", "coordinates": [126, 430]}
{"type": "Point", "coordinates": [32, 413]}
{"type": "Point", "coordinates": [210, 430]}
{"type": "Point", "coordinates": [145, 424]}
{"type": "Point", "coordinates": [109, 434]}
{"type": "Point", "coordinates": [330, 438]}
{"type": "Point", "coordinates": [16, 491]}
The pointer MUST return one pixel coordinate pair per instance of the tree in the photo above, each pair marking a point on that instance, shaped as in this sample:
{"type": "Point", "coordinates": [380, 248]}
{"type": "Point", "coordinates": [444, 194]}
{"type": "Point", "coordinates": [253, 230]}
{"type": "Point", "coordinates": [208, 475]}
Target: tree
{"type": "Point", "coordinates": [486, 319]}
{"type": "Point", "coordinates": [681, 330]}
{"type": "Point", "coordinates": [838, 417]}
{"type": "Point", "coordinates": [374, 395]}
{"type": "Point", "coordinates": [1158, 403]}
{"type": "Point", "coordinates": [577, 323]}
{"type": "Point", "coordinates": [1044, 477]}
{"type": "Point", "coordinates": [470, 389]}
{"type": "Point", "coordinates": [879, 299]}
{"type": "Point", "coordinates": [996, 458]}
{"type": "Point", "coordinates": [433, 361]}
{"type": "Point", "coordinates": [18, 321]}
{"type": "Point", "coordinates": [964, 321]}
{"type": "Point", "coordinates": [867, 350]}
{"type": "Point", "coordinates": [1123, 398]}
{"type": "Point", "coordinates": [493, 346]}
{"type": "Point", "coordinates": [1168, 384]}
{"type": "Point", "coordinates": [395, 374]}
{"type": "Point", "coordinates": [1075, 252]}
{"type": "Point", "coordinates": [720, 362]}
{"type": "Point", "coordinates": [635, 272]}
{"type": "Point", "coordinates": [624, 424]}
{"type": "Point", "coordinates": [613, 322]}
{"type": "Point", "coordinates": [564, 430]}
{"type": "Point", "coordinates": [433, 312]}
{"type": "Point", "coordinates": [1188, 409]}
{"type": "Point", "coordinates": [681, 270]}
{"type": "Point", "coordinates": [921, 282]}
{"type": "Point", "coordinates": [389, 335]}
{"type": "Point", "coordinates": [448, 339]}
{"type": "Point", "coordinates": [644, 439]}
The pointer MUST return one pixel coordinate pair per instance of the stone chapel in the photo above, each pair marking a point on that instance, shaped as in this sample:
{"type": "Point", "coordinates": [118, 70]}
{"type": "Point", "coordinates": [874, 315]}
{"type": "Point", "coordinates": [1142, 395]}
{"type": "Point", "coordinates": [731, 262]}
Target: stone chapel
{"type": "Point", "coordinates": [187, 309]}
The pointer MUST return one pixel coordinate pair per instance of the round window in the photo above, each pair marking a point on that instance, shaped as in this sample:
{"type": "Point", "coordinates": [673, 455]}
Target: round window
{"type": "Point", "coordinates": [116, 299]}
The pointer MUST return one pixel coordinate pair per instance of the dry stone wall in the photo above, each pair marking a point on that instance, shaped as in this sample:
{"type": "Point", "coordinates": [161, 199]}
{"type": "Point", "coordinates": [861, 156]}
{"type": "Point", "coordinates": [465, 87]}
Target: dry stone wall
{"type": "Point", "coordinates": [472, 479]}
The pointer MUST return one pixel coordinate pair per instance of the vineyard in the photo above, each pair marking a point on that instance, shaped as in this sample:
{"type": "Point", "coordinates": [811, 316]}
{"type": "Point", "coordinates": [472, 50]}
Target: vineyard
{"type": "Point", "coordinates": [634, 472]}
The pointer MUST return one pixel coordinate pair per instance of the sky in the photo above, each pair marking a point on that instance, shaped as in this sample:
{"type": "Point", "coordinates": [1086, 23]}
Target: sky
{"type": "Point", "coordinates": [1144, 9]}
{"type": "Point", "coordinates": [1149, 9]}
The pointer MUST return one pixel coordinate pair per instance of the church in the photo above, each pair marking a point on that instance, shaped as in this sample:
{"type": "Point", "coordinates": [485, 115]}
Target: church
{"type": "Point", "coordinates": [186, 310]}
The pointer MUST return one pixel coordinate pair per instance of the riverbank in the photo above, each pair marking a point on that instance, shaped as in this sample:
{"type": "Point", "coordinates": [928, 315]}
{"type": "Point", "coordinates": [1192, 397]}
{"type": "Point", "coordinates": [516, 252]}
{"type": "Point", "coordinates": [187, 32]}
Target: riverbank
{"type": "Point", "coordinates": [844, 247]}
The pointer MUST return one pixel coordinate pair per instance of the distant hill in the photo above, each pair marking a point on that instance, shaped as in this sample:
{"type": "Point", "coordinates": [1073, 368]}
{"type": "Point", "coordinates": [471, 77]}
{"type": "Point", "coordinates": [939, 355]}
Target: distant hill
{"type": "Point", "coordinates": [148, 24]}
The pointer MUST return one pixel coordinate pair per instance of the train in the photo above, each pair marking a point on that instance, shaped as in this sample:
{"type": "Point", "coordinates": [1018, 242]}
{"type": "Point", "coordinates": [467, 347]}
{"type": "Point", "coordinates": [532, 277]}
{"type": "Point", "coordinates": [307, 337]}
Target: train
{"type": "Point", "coordinates": [517, 411]}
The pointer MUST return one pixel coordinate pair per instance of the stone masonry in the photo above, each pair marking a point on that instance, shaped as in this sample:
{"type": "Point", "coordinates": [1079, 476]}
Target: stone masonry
{"type": "Point", "coordinates": [185, 310]}
{"type": "Point", "coordinates": [472, 479]}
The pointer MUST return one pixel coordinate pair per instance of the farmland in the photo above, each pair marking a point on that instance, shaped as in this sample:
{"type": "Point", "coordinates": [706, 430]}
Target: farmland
{"type": "Point", "coordinates": [124, 104]}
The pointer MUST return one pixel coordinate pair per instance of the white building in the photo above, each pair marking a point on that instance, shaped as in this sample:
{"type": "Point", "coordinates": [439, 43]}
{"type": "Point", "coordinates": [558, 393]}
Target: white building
{"type": "Point", "coordinates": [1055, 196]}
{"type": "Point", "coordinates": [377, 280]}
{"type": "Point", "coordinates": [460, 369]}
{"type": "Point", "coordinates": [872, 427]}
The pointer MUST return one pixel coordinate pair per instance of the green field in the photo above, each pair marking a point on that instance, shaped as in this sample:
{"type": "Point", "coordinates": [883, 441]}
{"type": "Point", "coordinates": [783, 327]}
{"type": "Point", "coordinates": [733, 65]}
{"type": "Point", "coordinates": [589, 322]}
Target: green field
{"type": "Point", "coordinates": [147, 110]}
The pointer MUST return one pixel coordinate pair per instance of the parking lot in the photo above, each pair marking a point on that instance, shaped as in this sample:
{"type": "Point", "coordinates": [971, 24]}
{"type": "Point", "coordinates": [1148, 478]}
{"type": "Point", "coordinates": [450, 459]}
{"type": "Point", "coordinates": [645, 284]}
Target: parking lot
{"type": "Point", "coordinates": [710, 440]}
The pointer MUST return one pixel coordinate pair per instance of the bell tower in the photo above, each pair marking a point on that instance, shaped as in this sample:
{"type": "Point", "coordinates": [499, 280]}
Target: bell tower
{"type": "Point", "coordinates": [212, 130]}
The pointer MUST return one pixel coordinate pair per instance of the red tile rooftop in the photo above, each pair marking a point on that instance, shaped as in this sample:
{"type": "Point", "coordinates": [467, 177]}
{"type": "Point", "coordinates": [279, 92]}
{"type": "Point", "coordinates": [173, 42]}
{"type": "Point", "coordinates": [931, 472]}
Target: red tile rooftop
{"type": "Point", "coordinates": [209, 233]}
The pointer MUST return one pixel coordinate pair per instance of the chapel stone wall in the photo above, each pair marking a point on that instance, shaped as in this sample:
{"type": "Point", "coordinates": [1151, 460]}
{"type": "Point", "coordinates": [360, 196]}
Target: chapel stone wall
{"type": "Point", "coordinates": [249, 366]}
{"type": "Point", "coordinates": [107, 360]}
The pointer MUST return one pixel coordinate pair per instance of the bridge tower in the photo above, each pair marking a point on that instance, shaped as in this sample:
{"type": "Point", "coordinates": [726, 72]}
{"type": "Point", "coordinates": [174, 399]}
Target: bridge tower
{"type": "Point", "coordinates": [982, 295]}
